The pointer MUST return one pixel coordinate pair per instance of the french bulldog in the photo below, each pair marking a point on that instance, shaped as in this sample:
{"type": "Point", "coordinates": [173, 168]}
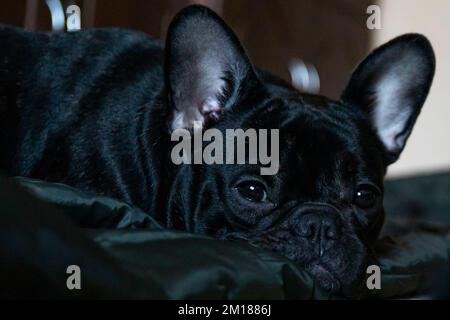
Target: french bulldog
{"type": "Point", "coordinates": [95, 109]}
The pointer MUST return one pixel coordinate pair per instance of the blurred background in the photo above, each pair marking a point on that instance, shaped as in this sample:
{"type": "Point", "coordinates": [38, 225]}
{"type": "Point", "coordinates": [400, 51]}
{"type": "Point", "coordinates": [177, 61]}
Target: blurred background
{"type": "Point", "coordinates": [323, 39]}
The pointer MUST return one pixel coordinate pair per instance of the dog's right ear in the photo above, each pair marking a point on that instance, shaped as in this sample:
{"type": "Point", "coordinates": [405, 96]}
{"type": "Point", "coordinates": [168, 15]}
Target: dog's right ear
{"type": "Point", "coordinates": [205, 67]}
{"type": "Point", "coordinates": [391, 85]}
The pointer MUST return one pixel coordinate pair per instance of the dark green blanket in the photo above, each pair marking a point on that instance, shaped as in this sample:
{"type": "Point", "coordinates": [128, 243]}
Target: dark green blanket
{"type": "Point", "coordinates": [124, 253]}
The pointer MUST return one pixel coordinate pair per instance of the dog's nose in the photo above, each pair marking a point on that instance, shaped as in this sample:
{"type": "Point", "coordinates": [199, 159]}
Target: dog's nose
{"type": "Point", "coordinates": [318, 226]}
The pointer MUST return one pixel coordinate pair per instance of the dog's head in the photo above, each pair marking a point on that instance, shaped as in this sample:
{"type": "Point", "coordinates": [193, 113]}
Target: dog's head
{"type": "Point", "coordinates": [324, 206]}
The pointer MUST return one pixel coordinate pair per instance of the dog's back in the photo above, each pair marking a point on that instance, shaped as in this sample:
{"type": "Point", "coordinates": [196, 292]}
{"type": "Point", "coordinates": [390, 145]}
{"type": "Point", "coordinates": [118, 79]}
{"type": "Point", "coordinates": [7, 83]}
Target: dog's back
{"type": "Point", "coordinates": [69, 102]}
{"type": "Point", "coordinates": [18, 51]}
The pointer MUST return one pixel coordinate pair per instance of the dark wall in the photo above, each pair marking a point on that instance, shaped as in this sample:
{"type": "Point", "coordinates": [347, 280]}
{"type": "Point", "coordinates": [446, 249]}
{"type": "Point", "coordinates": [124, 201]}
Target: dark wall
{"type": "Point", "coordinates": [328, 33]}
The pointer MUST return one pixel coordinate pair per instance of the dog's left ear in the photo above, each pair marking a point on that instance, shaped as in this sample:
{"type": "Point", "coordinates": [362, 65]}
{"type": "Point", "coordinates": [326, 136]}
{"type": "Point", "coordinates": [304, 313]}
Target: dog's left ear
{"type": "Point", "coordinates": [205, 67]}
{"type": "Point", "coordinates": [391, 84]}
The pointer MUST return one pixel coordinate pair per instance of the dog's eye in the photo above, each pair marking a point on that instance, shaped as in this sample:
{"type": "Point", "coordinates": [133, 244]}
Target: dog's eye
{"type": "Point", "coordinates": [366, 197]}
{"type": "Point", "coordinates": [253, 191]}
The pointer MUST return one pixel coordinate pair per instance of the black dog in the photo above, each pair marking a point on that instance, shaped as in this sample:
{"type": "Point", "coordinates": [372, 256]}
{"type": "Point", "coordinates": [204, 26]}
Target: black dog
{"type": "Point", "coordinates": [94, 109]}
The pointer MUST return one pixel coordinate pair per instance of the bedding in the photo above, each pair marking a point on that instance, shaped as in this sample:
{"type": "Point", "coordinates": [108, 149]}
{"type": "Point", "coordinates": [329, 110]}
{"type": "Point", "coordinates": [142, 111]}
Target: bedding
{"type": "Point", "coordinates": [124, 253]}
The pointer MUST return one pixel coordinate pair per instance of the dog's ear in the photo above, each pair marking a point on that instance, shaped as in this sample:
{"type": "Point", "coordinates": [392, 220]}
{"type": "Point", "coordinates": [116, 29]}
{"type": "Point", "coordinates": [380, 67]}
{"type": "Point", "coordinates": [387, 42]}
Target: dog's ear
{"type": "Point", "coordinates": [205, 67]}
{"type": "Point", "coordinates": [391, 84]}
